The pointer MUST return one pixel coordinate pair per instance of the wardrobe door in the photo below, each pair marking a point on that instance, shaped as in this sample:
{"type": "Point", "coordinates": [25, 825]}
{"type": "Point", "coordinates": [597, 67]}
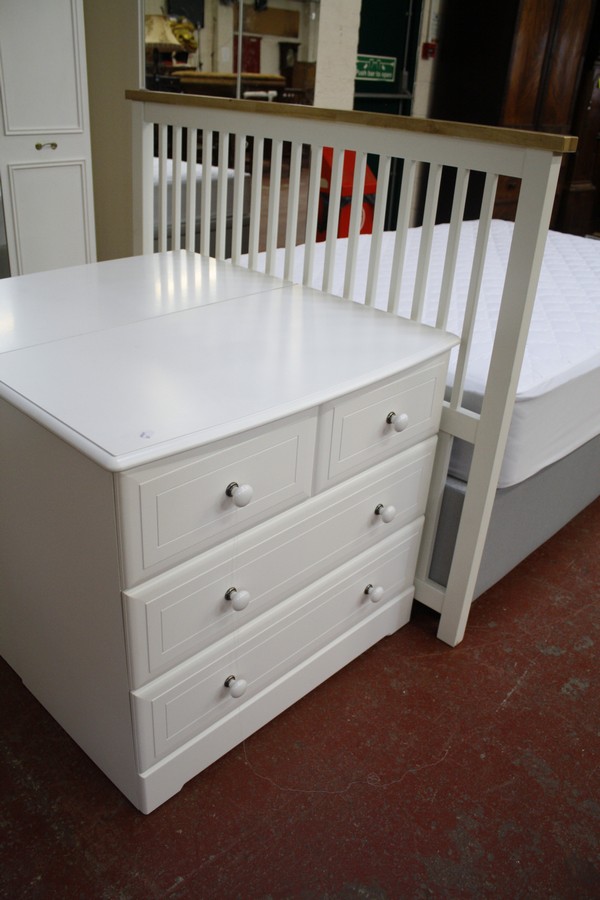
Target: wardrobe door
{"type": "Point", "coordinates": [525, 75]}
{"type": "Point", "coordinates": [524, 71]}
{"type": "Point", "coordinates": [45, 156]}
{"type": "Point", "coordinates": [569, 45]}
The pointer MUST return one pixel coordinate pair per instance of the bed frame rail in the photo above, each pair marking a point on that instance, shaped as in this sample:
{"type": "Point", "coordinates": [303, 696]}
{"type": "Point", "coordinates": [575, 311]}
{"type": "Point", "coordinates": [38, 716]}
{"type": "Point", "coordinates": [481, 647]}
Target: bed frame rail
{"type": "Point", "coordinates": [267, 162]}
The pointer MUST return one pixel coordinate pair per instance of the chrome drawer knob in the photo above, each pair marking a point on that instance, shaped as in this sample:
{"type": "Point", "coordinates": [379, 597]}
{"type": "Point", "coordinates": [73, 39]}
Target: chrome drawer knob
{"type": "Point", "coordinates": [239, 599]}
{"type": "Point", "coordinates": [398, 421]}
{"type": "Point", "coordinates": [387, 513]}
{"type": "Point", "coordinates": [374, 592]}
{"type": "Point", "coordinates": [237, 686]}
{"type": "Point", "coordinates": [241, 494]}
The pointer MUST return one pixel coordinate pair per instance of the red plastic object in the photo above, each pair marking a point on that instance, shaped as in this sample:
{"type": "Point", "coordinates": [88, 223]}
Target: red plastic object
{"type": "Point", "coordinates": [369, 191]}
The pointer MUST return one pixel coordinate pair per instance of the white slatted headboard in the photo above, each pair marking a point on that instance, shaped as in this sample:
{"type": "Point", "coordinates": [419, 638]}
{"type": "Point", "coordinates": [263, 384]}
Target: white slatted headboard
{"type": "Point", "coordinates": [412, 159]}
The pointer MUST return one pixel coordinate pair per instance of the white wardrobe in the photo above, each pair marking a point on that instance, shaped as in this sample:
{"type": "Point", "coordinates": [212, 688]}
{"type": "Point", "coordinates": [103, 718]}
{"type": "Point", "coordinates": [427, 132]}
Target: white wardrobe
{"type": "Point", "coordinates": [45, 155]}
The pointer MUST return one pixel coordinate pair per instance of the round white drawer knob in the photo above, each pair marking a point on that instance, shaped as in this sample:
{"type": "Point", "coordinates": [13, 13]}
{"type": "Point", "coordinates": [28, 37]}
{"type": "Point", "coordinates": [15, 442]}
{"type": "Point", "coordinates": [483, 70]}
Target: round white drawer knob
{"type": "Point", "coordinates": [374, 592]}
{"type": "Point", "coordinates": [398, 421]}
{"type": "Point", "coordinates": [241, 494]}
{"type": "Point", "coordinates": [237, 686]}
{"type": "Point", "coordinates": [387, 513]}
{"type": "Point", "coordinates": [239, 599]}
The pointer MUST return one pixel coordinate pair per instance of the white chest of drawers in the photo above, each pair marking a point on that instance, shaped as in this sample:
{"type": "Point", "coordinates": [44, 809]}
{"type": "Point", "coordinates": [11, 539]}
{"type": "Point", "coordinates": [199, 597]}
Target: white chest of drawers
{"type": "Point", "coordinates": [208, 505]}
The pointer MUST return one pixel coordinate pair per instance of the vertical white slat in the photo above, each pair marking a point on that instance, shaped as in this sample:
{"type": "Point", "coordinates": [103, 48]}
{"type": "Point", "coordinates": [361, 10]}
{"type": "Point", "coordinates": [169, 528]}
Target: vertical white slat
{"type": "Point", "coordinates": [481, 242]}
{"type": "Point", "coordinates": [312, 213]}
{"type": "Point", "coordinates": [383, 178]}
{"type": "Point", "coordinates": [291, 230]}
{"type": "Point", "coordinates": [206, 192]}
{"type": "Point", "coordinates": [333, 217]}
{"type": "Point", "coordinates": [358, 190]}
{"type": "Point", "coordinates": [274, 201]}
{"type": "Point", "coordinates": [176, 188]}
{"type": "Point", "coordinates": [456, 218]}
{"type": "Point", "coordinates": [191, 188]}
{"type": "Point", "coordinates": [238, 197]}
{"type": "Point", "coordinates": [222, 188]}
{"type": "Point", "coordinates": [255, 201]}
{"type": "Point", "coordinates": [402, 222]}
{"type": "Point", "coordinates": [431, 201]}
{"type": "Point", "coordinates": [538, 187]}
{"type": "Point", "coordinates": [163, 180]}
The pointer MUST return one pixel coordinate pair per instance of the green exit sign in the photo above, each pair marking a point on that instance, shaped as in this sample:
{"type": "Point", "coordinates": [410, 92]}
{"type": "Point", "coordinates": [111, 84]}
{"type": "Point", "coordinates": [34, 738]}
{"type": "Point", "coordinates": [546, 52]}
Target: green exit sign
{"type": "Point", "coordinates": [375, 68]}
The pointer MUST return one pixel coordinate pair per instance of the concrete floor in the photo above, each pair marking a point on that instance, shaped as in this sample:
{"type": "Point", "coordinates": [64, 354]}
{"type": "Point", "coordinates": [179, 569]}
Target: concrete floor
{"type": "Point", "coordinates": [418, 771]}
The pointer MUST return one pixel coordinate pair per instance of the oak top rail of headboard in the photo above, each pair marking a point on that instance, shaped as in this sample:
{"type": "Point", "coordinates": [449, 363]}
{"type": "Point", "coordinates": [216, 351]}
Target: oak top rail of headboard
{"type": "Point", "coordinates": [556, 143]}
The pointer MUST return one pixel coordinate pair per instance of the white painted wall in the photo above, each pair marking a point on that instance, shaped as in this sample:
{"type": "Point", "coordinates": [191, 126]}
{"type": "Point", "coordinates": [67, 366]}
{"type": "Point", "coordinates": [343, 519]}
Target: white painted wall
{"type": "Point", "coordinates": [114, 36]}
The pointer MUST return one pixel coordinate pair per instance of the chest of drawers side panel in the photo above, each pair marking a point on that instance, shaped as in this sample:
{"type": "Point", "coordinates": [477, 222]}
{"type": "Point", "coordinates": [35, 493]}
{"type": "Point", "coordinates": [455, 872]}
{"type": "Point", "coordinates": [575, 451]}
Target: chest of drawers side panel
{"type": "Point", "coordinates": [60, 604]}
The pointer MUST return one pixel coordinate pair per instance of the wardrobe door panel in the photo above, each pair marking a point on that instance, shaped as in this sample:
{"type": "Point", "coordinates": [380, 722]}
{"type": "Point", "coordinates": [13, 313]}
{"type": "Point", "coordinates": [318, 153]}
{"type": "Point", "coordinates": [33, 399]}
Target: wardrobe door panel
{"type": "Point", "coordinates": [525, 74]}
{"type": "Point", "coordinates": [49, 215]}
{"type": "Point", "coordinates": [45, 154]}
{"type": "Point", "coordinates": [557, 102]}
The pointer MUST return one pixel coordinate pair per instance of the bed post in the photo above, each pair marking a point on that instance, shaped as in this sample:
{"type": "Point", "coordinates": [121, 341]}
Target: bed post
{"type": "Point", "coordinates": [538, 187]}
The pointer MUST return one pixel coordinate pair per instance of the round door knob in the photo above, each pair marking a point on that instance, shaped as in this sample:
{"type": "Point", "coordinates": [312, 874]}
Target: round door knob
{"type": "Point", "coordinates": [241, 494]}
{"type": "Point", "coordinates": [239, 599]}
{"type": "Point", "coordinates": [374, 592]}
{"type": "Point", "coordinates": [398, 421]}
{"type": "Point", "coordinates": [387, 513]}
{"type": "Point", "coordinates": [237, 686]}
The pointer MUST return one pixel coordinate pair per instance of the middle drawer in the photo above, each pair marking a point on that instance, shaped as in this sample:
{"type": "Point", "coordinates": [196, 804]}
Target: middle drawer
{"type": "Point", "coordinates": [182, 611]}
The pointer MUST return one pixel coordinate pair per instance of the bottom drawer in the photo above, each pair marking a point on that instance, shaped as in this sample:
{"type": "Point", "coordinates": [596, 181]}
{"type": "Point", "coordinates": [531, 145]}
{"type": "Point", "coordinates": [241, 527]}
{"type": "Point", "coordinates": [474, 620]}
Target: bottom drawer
{"type": "Point", "coordinates": [180, 705]}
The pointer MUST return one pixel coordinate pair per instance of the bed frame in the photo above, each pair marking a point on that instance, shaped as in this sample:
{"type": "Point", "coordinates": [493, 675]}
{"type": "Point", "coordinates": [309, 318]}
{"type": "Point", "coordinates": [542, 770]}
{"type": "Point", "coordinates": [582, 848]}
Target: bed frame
{"type": "Point", "coordinates": [409, 156]}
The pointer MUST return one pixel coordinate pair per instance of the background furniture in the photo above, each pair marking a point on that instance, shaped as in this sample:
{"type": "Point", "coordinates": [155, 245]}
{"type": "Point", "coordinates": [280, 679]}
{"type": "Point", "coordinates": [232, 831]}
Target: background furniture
{"type": "Point", "coordinates": [45, 156]}
{"type": "Point", "coordinates": [580, 210]}
{"type": "Point", "coordinates": [167, 237]}
{"type": "Point", "coordinates": [517, 64]}
{"type": "Point", "coordinates": [223, 84]}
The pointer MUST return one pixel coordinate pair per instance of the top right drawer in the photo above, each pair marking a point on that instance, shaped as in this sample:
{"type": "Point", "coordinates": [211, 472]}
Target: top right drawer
{"type": "Point", "coordinates": [371, 424]}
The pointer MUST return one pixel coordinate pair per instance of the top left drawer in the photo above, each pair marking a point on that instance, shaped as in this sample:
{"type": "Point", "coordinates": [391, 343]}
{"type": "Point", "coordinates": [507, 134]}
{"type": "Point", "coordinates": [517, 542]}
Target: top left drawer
{"type": "Point", "coordinates": [175, 508]}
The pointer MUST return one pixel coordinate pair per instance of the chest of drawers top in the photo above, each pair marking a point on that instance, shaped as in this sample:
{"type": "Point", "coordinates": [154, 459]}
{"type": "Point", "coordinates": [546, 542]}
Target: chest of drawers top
{"type": "Point", "coordinates": [136, 360]}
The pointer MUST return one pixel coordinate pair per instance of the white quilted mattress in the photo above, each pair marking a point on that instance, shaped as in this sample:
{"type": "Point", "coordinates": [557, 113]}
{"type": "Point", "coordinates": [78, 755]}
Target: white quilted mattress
{"type": "Point", "coordinates": [558, 399]}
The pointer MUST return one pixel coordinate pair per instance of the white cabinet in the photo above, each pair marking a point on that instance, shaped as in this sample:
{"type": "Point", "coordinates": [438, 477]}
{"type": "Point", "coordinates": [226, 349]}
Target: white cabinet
{"type": "Point", "coordinates": [166, 617]}
{"type": "Point", "coordinates": [45, 156]}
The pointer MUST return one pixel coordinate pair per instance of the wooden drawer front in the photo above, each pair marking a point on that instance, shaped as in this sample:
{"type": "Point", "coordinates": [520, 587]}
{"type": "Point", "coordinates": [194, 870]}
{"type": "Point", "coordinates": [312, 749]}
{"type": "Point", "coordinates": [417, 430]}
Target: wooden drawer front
{"type": "Point", "coordinates": [172, 510]}
{"type": "Point", "coordinates": [173, 709]}
{"type": "Point", "coordinates": [181, 612]}
{"type": "Point", "coordinates": [354, 433]}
